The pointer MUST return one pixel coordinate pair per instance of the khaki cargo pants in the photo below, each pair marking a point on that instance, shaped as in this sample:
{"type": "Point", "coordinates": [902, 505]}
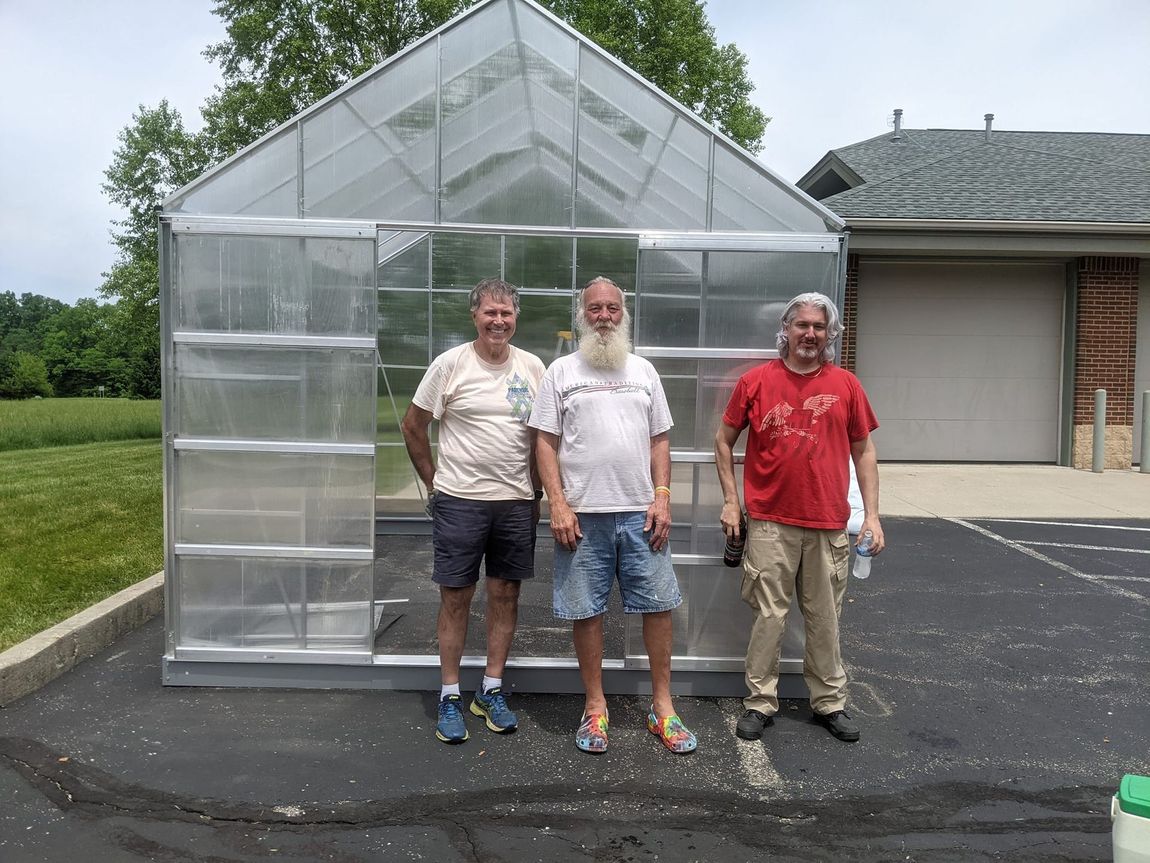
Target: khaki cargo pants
{"type": "Point", "coordinates": [781, 558]}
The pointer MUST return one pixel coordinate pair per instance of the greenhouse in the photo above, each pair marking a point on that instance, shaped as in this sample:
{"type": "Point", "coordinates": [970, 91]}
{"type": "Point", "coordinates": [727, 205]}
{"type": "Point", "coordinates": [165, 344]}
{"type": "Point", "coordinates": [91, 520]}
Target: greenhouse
{"type": "Point", "coordinates": [307, 282]}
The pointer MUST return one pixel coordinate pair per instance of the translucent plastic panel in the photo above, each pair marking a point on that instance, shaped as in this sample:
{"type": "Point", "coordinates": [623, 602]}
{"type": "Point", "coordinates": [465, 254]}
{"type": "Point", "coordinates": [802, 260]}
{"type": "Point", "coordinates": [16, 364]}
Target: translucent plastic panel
{"type": "Point", "coordinates": [544, 325]}
{"type": "Point", "coordinates": [317, 394]}
{"type": "Point", "coordinates": [371, 153]}
{"type": "Point", "coordinates": [667, 321]}
{"type": "Point", "coordinates": [460, 261]}
{"type": "Point", "coordinates": [671, 272]}
{"type": "Point", "coordinates": [403, 259]}
{"type": "Point", "coordinates": [403, 329]}
{"type": "Point", "coordinates": [747, 292]}
{"type": "Point", "coordinates": [507, 107]}
{"type": "Point", "coordinates": [642, 164]}
{"type": "Point", "coordinates": [262, 182]}
{"type": "Point", "coordinates": [282, 285]}
{"type": "Point", "coordinates": [532, 263]}
{"type": "Point", "coordinates": [613, 258]}
{"type": "Point", "coordinates": [451, 322]}
{"type": "Point", "coordinates": [747, 199]}
{"type": "Point", "coordinates": [273, 498]}
{"type": "Point", "coordinates": [260, 603]}
{"type": "Point", "coordinates": [698, 392]}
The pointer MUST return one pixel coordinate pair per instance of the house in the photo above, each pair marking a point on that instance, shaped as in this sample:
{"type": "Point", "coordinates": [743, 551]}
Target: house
{"type": "Point", "coordinates": [996, 280]}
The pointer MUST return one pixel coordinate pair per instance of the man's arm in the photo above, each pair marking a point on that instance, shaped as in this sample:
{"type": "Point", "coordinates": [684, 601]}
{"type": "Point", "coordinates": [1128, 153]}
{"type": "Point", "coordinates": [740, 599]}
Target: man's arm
{"type": "Point", "coordinates": [564, 522]}
{"type": "Point", "coordinates": [659, 512]}
{"type": "Point", "coordinates": [732, 513]}
{"type": "Point", "coordinates": [414, 428]}
{"type": "Point", "coordinates": [866, 469]}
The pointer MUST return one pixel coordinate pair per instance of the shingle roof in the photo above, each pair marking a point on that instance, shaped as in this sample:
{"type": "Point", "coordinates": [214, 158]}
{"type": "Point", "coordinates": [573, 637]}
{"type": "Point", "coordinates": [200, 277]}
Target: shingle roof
{"type": "Point", "coordinates": [1017, 176]}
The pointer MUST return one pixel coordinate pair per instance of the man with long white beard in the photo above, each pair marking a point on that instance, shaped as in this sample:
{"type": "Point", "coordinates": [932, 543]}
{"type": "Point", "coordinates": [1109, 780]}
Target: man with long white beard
{"type": "Point", "coordinates": [604, 459]}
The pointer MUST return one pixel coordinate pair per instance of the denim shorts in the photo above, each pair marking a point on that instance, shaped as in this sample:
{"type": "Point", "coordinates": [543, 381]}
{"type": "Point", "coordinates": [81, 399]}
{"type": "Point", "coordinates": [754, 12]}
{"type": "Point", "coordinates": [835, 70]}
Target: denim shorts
{"type": "Point", "coordinates": [466, 532]}
{"type": "Point", "coordinates": [613, 545]}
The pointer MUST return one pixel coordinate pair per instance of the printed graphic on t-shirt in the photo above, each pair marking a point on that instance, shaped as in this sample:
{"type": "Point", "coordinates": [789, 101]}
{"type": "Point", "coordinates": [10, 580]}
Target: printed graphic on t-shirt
{"type": "Point", "coordinates": [615, 388]}
{"type": "Point", "coordinates": [783, 420]}
{"type": "Point", "coordinates": [519, 397]}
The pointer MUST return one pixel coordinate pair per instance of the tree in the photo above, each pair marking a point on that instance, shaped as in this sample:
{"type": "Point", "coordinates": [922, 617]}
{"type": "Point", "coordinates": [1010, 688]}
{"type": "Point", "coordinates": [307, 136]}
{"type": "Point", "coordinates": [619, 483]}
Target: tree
{"type": "Point", "coordinates": [671, 43]}
{"type": "Point", "coordinates": [22, 376]}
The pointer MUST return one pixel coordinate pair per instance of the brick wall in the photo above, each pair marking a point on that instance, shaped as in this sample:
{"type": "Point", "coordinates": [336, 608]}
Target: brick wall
{"type": "Point", "coordinates": [1107, 321]}
{"type": "Point", "coordinates": [850, 314]}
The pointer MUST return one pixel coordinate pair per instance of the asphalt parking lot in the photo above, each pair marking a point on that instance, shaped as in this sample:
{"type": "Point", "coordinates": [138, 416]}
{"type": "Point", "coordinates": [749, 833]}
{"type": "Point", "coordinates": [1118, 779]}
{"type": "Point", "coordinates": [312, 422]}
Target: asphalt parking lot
{"type": "Point", "coordinates": [1000, 673]}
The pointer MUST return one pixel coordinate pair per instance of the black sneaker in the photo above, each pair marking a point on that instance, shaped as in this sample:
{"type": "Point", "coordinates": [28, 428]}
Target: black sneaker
{"type": "Point", "coordinates": [840, 724]}
{"type": "Point", "coordinates": [751, 724]}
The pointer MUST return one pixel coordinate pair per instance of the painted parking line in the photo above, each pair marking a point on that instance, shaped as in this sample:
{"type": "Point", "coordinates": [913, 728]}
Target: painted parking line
{"type": "Point", "coordinates": [1105, 584]}
{"type": "Point", "coordinates": [1085, 547]}
{"type": "Point", "coordinates": [1068, 524]}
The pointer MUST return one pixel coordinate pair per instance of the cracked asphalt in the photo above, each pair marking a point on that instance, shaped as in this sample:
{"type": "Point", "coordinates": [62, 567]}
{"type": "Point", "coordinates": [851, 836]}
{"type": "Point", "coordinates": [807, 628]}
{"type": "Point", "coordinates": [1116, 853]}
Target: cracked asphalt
{"type": "Point", "coordinates": [1001, 685]}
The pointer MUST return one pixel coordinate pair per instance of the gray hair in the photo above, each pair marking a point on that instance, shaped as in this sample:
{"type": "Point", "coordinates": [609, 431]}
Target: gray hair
{"type": "Point", "coordinates": [834, 323]}
{"type": "Point", "coordinates": [602, 280]}
{"type": "Point", "coordinates": [495, 289]}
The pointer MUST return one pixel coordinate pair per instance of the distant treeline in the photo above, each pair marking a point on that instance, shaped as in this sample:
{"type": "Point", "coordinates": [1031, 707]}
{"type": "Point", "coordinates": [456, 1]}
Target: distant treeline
{"type": "Point", "coordinates": [48, 348]}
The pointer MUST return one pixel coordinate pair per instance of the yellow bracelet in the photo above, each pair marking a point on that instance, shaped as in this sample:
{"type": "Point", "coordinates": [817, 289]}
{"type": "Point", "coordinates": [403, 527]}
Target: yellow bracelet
{"type": "Point", "coordinates": [664, 489]}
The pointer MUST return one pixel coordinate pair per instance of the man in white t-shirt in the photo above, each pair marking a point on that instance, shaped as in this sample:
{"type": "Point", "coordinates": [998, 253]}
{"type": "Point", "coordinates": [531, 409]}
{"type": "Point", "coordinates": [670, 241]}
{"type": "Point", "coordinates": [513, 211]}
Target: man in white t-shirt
{"type": "Point", "coordinates": [605, 460]}
{"type": "Point", "coordinates": [483, 495]}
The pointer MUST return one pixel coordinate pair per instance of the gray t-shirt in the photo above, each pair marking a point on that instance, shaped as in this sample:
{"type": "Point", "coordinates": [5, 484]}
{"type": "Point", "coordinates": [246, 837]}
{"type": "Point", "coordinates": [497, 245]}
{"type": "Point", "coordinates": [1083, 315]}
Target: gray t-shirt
{"type": "Point", "coordinates": [605, 419]}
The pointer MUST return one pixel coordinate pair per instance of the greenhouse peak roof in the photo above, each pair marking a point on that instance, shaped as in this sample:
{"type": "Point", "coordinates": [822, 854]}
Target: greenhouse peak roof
{"type": "Point", "coordinates": [504, 116]}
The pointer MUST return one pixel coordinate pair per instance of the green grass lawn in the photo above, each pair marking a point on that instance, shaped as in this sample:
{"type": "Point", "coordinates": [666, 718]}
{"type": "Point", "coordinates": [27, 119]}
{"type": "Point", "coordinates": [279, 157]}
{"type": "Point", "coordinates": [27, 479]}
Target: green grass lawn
{"type": "Point", "coordinates": [77, 524]}
{"type": "Point", "coordinates": [34, 423]}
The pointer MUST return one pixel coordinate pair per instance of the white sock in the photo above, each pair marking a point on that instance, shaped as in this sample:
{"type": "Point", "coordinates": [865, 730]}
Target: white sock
{"type": "Point", "coordinates": [448, 689]}
{"type": "Point", "coordinates": [490, 683]}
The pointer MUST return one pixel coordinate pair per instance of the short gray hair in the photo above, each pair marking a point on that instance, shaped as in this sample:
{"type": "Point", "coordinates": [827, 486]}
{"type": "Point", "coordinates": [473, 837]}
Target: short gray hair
{"type": "Point", "coordinates": [602, 280]}
{"type": "Point", "coordinates": [828, 308]}
{"type": "Point", "coordinates": [495, 289]}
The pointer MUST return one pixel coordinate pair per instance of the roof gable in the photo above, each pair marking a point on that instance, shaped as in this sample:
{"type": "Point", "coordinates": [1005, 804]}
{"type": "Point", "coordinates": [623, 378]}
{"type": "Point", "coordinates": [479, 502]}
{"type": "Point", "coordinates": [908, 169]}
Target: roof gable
{"type": "Point", "coordinates": [504, 116]}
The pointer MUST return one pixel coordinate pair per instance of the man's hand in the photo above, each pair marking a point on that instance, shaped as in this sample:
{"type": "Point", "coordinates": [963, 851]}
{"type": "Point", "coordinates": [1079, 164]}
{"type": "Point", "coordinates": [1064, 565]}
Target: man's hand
{"type": "Point", "coordinates": [658, 522]}
{"type": "Point", "coordinates": [731, 518]}
{"type": "Point", "coordinates": [565, 525]}
{"type": "Point", "coordinates": [871, 523]}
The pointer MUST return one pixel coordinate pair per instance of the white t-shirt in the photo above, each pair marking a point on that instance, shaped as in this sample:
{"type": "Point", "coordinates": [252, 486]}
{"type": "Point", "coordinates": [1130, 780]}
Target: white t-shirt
{"type": "Point", "coordinates": [605, 419]}
{"type": "Point", "coordinates": [484, 443]}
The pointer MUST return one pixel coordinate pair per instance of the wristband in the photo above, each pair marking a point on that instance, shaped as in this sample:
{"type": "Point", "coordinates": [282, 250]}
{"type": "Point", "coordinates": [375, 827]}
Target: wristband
{"type": "Point", "coordinates": [664, 489]}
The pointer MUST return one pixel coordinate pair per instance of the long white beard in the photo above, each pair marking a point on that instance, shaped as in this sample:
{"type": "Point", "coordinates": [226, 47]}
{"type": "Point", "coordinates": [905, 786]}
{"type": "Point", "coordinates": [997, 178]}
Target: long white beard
{"type": "Point", "coordinates": [607, 350]}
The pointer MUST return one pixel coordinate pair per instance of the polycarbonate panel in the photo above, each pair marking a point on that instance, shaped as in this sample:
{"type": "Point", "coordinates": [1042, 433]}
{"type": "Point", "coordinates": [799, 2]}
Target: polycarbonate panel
{"type": "Point", "coordinates": [641, 162]}
{"type": "Point", "coordinates": [403, 330]}
{"type": "Point", "coordinates": [261, 182]}
{"type": "Point", "coordinates": [748, 291]}
{"type": "Point", "coordinates": [403, 260]}
{"type": "Point", "coordinates": [257, 393]}
{"type": "Point", "coordinates": [371, 153]}
{"type": "Point", "coordinates": [697, 393]}
{"type": "Point", "coordinates": [451, 321]}
{"type": "Point", "coordinates": [613, 258]}
{"type": "Point", "coordinates": [394, 475]}
{"type": "Point", "coordinates": [746, 199]}
{"type": "Point", "coordinates": [261, 603]}
{"type": "Point", "coordinates": [249, 498]}
{"type": "Point", "coordinates": [460, 261]}
{"type": "Point", "coordinates": [671, 272]}
{"type": "Point", "coordinates": [314, 286]}
{"type": "Point", "coordinates": [544, 325]}
{"type": "Point", "coordinates": [507, 112]}
{"type": "Point", "coordinates": [538, 263]}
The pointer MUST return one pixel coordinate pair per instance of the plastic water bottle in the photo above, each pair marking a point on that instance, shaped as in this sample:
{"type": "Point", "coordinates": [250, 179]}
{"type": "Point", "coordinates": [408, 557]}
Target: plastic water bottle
{"type": "Point", "coordinates": [863, 552]}
{"type": "Point", "coordinates": [733, 550]}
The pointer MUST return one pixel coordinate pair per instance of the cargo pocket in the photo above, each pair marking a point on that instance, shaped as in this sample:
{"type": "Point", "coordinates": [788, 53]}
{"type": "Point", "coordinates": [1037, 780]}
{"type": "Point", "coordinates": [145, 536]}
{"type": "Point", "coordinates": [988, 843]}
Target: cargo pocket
{"type": "Point", "coordinates": [840, 554]}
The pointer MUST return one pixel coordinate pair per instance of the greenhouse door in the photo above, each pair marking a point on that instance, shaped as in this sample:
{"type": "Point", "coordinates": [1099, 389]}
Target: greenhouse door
{"type": "Point", "coordinates": [707, 310]}
{"type": "Point", "coordinates": [269, 433]}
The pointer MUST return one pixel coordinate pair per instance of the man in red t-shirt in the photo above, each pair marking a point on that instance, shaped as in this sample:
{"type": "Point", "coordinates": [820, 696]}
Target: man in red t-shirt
{"type": "Point", "coordinates": [806, 418]}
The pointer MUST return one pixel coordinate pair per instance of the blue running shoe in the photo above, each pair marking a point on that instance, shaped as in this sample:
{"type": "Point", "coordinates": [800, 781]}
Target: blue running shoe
{"type": "Point", "coordinates": [492, 706]}
{"type": "Point", "coordinates": [451, 728]}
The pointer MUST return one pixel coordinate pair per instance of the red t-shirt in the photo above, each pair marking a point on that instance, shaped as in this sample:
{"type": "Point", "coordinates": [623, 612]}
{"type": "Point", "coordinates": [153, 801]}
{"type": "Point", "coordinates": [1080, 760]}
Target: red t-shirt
{"type": "Point", "coordinates": [801, 429]}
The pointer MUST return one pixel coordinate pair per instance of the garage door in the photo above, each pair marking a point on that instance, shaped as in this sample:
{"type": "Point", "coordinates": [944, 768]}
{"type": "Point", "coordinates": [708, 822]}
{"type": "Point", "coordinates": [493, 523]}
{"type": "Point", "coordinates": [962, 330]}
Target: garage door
{"type": "Point", "coordinates": [1142, 358]}
{"type": "Point", "coordinates": [962, 362]}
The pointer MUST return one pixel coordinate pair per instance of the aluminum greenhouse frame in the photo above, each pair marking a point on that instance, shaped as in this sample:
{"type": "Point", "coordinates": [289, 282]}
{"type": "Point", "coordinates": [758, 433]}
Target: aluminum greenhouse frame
{"type": "Point", "coordinates": [307, 282]}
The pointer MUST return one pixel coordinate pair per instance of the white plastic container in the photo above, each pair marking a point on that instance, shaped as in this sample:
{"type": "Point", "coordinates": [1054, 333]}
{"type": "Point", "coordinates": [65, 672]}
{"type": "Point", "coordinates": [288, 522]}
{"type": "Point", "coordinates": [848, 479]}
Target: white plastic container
{"type": "Point", "coordinates": [1130, 814]}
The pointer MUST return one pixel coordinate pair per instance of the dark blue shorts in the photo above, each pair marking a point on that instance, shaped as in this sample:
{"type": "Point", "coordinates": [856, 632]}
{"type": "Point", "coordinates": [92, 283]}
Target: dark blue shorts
{"type": "Point", "coordinates": [467, 532]}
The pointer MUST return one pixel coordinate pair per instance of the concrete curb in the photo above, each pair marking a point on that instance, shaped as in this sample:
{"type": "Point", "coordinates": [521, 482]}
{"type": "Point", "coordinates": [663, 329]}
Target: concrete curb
{"type": "Point", "coordinates": [27, 666]}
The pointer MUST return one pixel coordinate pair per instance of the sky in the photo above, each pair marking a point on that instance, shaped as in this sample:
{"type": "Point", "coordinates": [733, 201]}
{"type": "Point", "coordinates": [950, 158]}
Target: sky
{"type": "Point", "coordinates": [828, 73]}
